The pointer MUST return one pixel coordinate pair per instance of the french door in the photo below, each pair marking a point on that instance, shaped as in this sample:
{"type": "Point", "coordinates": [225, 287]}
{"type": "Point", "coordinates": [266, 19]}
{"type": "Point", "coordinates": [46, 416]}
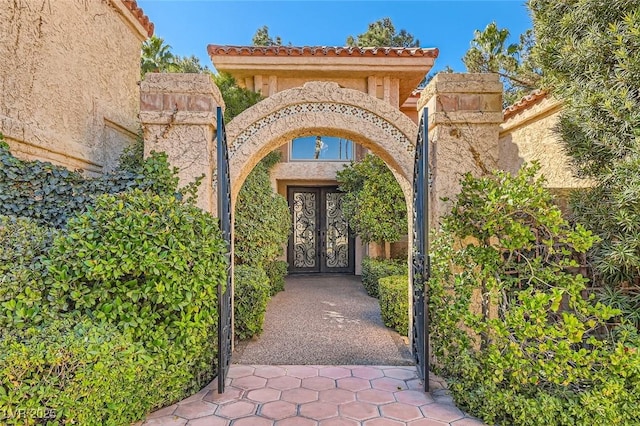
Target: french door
{"type": "Point", "coordinates": [320, 240]}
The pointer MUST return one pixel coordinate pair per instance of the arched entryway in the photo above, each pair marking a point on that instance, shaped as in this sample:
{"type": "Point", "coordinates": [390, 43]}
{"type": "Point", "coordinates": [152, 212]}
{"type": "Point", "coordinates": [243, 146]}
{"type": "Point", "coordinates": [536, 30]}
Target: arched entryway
{"type": "Point", "coordinates": [321, 107]}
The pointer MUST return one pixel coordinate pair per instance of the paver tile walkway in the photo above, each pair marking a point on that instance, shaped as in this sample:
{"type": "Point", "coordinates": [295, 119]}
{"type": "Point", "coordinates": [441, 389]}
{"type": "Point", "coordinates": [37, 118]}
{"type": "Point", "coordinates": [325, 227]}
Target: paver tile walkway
{"type": "Point", "coordinates": [301, 395]}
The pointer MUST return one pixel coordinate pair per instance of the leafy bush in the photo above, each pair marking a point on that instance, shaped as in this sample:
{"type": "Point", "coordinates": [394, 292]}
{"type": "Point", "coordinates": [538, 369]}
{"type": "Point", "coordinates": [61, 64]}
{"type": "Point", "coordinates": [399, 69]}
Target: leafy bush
{"type": "Point", "coordinates": [276, 271]}
{"type": "Point", "coordinates": [373, 203]}
{"type": "Point", "coordinates": [23, 245]}
{"type": "Point", "coordinates": [51, 194]}
{"type": "Point", "coordinates": [510, 326]}
{"type": "Point", "coordinates": [374, 269]}
{"type": "Point", "coordinates": [252, 290]}
{"type": "Point", "coordinates": [151, 266]}
{"type": "Point", "coordinates": [262, 221]}
{"type": "Point", "coordinates": [394, 302]}
{"type": "Point", "coordinates": [80, 373]}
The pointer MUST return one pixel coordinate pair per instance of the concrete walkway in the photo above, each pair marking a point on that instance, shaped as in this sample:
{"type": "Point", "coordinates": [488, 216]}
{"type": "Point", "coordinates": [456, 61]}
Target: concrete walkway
{"type": "Point", "coordinates": [317, 396]}
{"type": "Point", "coordinates": [324, 320]}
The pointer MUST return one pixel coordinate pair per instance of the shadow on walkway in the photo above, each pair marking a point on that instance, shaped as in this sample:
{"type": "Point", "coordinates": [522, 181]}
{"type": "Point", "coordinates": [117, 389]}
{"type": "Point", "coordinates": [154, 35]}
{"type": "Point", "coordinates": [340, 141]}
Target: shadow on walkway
{"type": "Point", "coordinates": [324, 320]}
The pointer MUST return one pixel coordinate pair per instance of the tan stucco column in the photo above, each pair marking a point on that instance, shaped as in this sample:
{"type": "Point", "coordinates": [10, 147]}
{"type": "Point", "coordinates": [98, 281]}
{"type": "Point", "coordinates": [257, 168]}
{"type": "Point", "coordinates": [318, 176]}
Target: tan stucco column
{"type": "Point", "coordinates": [178, 116]}
{"type": "Point", "coordinates": [465, 113]}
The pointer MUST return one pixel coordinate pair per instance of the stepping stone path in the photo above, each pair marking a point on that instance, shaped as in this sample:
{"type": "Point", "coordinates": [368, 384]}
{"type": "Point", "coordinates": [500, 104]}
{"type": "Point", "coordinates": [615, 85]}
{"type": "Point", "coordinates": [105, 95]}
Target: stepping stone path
{"type": "Point", "coordinates": [313, 395]}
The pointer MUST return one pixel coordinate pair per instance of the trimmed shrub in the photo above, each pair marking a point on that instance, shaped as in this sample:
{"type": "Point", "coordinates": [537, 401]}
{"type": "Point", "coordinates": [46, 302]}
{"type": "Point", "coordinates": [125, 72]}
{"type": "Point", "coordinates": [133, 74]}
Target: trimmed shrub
{"type": "Point", "coordinates": [151, 266]}
{"type": "Point", "coordinates": [262, 220]}
{"type": "Point", "coordinates": [374, 269]}
{"type": "Point", "coordinates": [394, 302]}
{"type": "Point", "coordinates": [23, 244]}
{"type": "Point", "coordinates": [252, 290]}
{"type": "Point", "coordinates": [276, 271]}
{"type": "Point", "coordinates": [511, 325]}
{"type": "Point", "coordinates": [84, 373]}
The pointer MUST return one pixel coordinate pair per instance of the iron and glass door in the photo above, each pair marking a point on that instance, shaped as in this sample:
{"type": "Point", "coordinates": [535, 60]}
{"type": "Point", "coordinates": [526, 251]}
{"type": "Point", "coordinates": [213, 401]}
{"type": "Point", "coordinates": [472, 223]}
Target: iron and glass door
{"type": "Point", "coordinates": [320, 240]}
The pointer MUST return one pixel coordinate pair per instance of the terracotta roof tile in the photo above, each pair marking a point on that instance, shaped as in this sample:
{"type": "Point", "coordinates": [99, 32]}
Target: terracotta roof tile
{"type": "Point", "coordinates": [320, 51]}
{"type": "Point", "coordinates": [524, 103]}
{"type": "Point", "coordinates": [138, 13]}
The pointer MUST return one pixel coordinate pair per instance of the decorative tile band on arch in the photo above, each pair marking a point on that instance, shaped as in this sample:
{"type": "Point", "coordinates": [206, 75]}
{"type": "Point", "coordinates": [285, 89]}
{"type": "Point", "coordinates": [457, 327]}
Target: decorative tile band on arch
{"type": "Point", "coordinates": [321, 107]}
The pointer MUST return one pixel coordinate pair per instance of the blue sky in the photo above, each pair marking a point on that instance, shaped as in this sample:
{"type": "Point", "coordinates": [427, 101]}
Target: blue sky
{"type": "Point", "coordinates": [190, 25]}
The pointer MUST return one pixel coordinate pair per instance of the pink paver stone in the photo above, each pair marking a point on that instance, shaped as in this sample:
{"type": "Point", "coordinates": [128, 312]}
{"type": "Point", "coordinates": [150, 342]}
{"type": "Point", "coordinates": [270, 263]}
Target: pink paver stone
{"type": "Point", "coordinates": [166, 411]}
{"type": "Point", "coordinates": [359, 410]}
{"type": "Point", "coordinates": [413, 397]}
{"type": "Point", "coordinates": [367, 373]}
{"type": "Point", "coordinates": [278, 410]}
{"type": "Point", "coordinates": [269, 371]}
{"type": "Point", "coordinates": [264, 395]}
{"type": "Point", "coordinates": [337, 421]}
{"type": "Point", "coordinates": [195, 397]}
{"type": "Point", "coordinates": [318, 410]}
{"type": "Point", "coordinates": [389, 384]}
{"type": "Point", "coordinates": [230, 394]}
{"type": "Point", "coordinates": [283, 383]}
{"type": "Point", "coordinates": [334, 372]}
{"type": "Point", "coordinates": [383, 422]}
{"type": "Point", "coordinates": [299, 395]}
{"type": "Point", "coordinates": [415, 384]}
{"type": "Point", "coordinates": [468, 422]}
{"type": "Point", "coordinates": [354, 384]}
{"type": "Point", "coordinates": [193, 410]}
{"type": "Point", "coordinates": [400, 373]}
{"type": "Point", "coordinates": [240, 371]}
{"type": "Point", "coordinates": [253, 421]}
{"type": "Point", "coordinates": [400, 411]}
{"type": "Point", "coordinates": [209, 421]}
{"type": "Point", "coordinates": [375, 396]}
{"type": "Point", "coordinates": [336, 396]}
{"type": "Point", "coordinates": [318, 383]}
{"type": "Point", "coordinates": [236, 410]}
{"type": "Point", "coordinates": [442, 412]}
{"type": "Point", "coordinates": [167, 421]}
{"type": "Point", "coordinates": [250, 382]}
{"type": "Point", "coordinates": [302, 371]}
{"type": "Point", "coordinates": [296, 421]}
{"type": "Point", "coordinates": [427, 422]}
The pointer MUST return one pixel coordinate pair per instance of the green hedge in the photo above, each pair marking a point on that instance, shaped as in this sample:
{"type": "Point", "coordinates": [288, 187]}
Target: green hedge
{"type": "Point", "coordinates": [374, 269]}
{"type": "Point", "coordinates": [394, 302]}
{"type": "Point", "coordinates": [511, 325]}
{"type": "Point", "coordinates": [76, 373]}
{"type": "Point", "coordinates": [151, 266]}
{"type": "Point", "coordinates": [262, 219]}
{"type": "Point", "coordinates": [23, 246]}
{"type": "Point", "coordinates": [252, 292]}
{"type": "Point", "coordinates": [276, 271]}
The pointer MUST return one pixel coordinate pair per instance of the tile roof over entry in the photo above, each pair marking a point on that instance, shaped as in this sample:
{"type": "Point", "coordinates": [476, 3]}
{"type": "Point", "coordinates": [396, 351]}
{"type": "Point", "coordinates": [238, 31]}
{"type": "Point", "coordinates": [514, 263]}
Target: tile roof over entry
{"type": "Point", "coordinates": [384, 72]}
{"type": "Point", "coordinates": [321, 51]}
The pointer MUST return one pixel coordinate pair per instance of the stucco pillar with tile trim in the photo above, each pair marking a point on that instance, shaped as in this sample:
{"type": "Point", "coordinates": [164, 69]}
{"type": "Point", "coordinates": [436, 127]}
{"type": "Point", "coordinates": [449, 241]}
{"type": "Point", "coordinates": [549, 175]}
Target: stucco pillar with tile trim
{"type": "Point", "coordinates": [465, 113]}
{"type": "Point", "coordinates": [178, 116]}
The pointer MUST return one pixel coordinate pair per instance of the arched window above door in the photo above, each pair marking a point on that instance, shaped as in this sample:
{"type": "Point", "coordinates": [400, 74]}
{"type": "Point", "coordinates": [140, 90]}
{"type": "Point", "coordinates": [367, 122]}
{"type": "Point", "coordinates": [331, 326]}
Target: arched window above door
{"type": "Point", "coordinates": [322, 148]}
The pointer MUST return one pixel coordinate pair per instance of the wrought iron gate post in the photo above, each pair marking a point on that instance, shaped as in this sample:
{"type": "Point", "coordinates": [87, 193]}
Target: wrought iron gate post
{"type": "Point", "coordinates": [420, 264]}
{"type": "Point", "coordinates": [224, 214]}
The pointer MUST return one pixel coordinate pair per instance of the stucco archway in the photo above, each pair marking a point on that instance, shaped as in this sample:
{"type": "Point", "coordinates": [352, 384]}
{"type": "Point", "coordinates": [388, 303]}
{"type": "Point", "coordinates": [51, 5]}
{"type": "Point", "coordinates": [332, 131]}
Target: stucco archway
{"type": "Point", "coordinates": [321, 107]}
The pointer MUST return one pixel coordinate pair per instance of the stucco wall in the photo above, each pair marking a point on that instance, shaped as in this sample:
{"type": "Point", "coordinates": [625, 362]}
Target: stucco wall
{"type": "Point", "coordinates": [69, 74]}
{"type": "Point", "coordinates": [528, 135]}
